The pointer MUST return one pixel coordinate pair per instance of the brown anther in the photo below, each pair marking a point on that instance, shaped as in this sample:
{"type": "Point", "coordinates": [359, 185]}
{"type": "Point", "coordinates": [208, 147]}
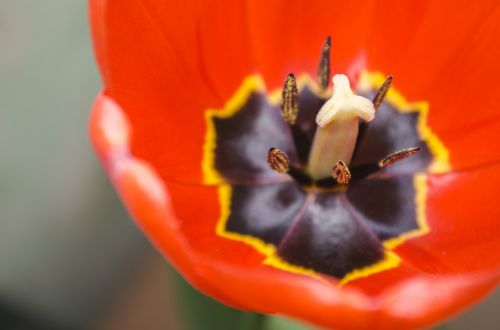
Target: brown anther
{"type": "Point", "coordinates": [324, 64]}
{"type": "Point", "coordinates": [382, 91]}
{"type": "Point", "coordinates": [398, 156]}
{"type": "Point", "coordinates": [290, 100]}
{"type": "Point", "coordinates": [277, 160]}
{"type": "Point", "coordinates": [341, 173]}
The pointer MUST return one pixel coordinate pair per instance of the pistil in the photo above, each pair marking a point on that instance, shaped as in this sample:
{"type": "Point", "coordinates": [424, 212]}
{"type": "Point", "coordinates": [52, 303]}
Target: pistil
{"type": "Point", "coordinates": [338, 124]}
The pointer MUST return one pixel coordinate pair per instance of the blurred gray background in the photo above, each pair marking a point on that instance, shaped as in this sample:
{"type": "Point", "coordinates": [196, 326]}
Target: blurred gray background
{"type": "Point", "coordinates": [70, 257]}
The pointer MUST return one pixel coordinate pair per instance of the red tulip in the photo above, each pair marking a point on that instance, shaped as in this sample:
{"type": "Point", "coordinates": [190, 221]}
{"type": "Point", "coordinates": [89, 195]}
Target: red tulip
{"type": "Point", "coordinates": [188, 112]}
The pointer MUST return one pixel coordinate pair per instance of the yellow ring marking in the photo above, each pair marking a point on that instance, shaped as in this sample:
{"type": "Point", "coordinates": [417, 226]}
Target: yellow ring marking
{"type": "Point", "coordinates": [368, 81]}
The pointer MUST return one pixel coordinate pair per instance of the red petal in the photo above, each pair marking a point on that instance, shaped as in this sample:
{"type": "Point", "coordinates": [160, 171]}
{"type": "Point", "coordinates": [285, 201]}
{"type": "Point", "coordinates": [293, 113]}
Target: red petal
{"type": "Point", "coordinates": [167, 63]}
{"type": "Point", "coordinates": [463, 214]}
{"type": "Point", "coordinates": [287, 36]}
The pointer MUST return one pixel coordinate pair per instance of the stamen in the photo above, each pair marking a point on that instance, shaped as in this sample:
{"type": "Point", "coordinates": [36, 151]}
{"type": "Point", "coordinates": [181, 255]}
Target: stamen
{"type": "Point", "coordinates": [278, 160]}
{"type": "Point", "coordinates": [382, 91]}
{"type": "Point", "coordinates": [324, 64]}
{"type": "Point", "coordinates": [398, 156]}
{"type": "Point", "coordinates": [362, 171]}
{"type": "Point", "coordinates": [377, 101]}
{"type": "Point", "coordinates": [290, 100]}
{"type": "Point", "coordinates": [341, 173]}
{"type": "Point", "coordinates": [289, 113]}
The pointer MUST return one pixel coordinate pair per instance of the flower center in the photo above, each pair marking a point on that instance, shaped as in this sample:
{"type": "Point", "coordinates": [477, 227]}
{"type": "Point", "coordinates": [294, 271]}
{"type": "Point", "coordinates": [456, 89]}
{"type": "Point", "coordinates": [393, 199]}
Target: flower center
{"type": "Point", "coordinates": [343, 220]}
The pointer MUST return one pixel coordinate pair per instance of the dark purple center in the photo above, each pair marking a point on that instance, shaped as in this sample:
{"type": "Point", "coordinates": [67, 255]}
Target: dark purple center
{"type": "Point", "coordinates": [332, 231]}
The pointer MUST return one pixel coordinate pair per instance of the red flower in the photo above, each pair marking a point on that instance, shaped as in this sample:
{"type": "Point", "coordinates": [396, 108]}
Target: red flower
{"type": "Point", "coordinates": [169, 71]}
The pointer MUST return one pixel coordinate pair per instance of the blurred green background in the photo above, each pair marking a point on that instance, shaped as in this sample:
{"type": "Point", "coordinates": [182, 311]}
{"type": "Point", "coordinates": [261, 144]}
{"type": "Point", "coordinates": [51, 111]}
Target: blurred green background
{"type": "Point", "coordinates": [70, 257]}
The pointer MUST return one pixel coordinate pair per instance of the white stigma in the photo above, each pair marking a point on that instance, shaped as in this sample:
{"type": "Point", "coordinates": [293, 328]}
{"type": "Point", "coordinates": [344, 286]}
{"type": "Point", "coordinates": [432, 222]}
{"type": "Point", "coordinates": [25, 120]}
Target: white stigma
{"type": "Point", "coordinates": [344, 104]}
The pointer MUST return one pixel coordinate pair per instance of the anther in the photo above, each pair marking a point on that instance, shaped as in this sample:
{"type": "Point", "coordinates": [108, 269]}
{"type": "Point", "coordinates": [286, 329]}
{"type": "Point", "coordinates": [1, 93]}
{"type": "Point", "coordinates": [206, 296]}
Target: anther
{"type": "Point", "coordinates": [278, 160]}
{"type": "Point", "coordinates": [341, 173]}
{"type": "Point", "coordinates": [290, 100]}
{"type": "Point", "coordinates": [398, 156]}
{"type": "Point", "coordinates": [324, 64]}
{"type": "Point", "coordinates": [382, 91]}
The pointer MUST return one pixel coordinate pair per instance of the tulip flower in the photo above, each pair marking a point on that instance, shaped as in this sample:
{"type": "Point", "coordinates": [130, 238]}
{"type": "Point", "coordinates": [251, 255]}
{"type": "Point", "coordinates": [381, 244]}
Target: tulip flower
{"type": "Point", "coordinates": [349, 182]}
